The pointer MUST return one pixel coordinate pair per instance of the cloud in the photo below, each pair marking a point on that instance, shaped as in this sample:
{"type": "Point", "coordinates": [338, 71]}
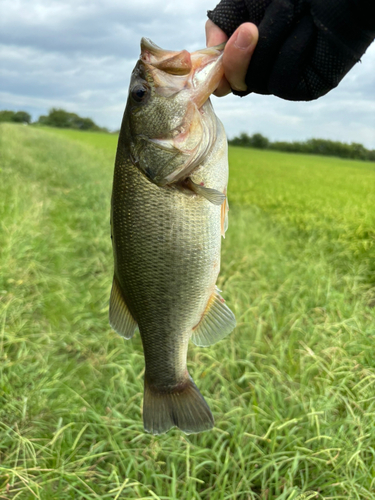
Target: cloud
{"type": "Point", "coordinates": [79, 55]}
{"type": "Point", "coordinates": [105, 28]}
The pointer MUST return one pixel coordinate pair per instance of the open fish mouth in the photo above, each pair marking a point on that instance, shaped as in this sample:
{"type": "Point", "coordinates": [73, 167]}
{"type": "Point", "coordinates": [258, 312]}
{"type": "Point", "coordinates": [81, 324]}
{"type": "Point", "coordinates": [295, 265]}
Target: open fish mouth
{"type": "Point", "coordinates": [177, 85]}
{"type": "Point", "coordinates": [201, 71]}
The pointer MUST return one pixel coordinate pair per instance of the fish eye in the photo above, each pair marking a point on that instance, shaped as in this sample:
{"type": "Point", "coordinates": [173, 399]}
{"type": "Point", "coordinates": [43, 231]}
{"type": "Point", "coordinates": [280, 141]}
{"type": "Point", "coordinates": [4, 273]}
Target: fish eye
{"type": "Point", "coordinates": [139, 92]}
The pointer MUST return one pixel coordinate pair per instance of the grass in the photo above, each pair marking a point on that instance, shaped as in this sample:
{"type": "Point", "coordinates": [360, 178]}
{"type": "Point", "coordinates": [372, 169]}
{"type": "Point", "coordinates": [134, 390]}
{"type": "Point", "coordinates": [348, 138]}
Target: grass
{"type": "Point", "coordinates": [292, 389]}
{"type": "Point", "coordinates": [98, 140]}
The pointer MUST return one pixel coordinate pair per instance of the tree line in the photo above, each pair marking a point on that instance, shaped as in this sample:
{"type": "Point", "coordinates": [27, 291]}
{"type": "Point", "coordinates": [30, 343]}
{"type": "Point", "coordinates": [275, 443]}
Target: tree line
{"type": "Point", "coordinates": [55, 118]}
{"type": "Point", "coordinates": [15, 116]}
{"type": "Point", "coordinates": [63, 119]}
{"type": "Point", "coordinates": [324, 147]}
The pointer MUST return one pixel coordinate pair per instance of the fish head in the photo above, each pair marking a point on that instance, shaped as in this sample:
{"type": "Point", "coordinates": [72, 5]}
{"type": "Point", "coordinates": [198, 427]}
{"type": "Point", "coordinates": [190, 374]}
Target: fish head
{"type": "Point", "coordinates": [169, 115]}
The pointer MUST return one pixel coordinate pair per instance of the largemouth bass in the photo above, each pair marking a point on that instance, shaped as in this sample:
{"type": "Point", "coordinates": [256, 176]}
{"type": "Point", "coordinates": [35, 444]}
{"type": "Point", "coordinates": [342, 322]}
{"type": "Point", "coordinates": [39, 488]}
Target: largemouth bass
{"type": "Point", "coordinates": [169, 211]}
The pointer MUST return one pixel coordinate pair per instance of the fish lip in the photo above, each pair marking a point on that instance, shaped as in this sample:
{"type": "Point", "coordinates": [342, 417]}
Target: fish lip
{"type": "Point", "coordinates": [148, 44]}
{"type": "Point", "coordinates": [172, 62]}
{"type": "Point", "coordinates": [208, 72]}
{"type": "Point", "coordinates": [211, 50]}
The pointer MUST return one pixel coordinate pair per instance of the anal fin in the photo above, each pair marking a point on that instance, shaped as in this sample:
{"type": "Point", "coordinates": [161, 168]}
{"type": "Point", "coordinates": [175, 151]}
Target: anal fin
{"type": "Point", "coordinates": [120, 318]}
{"type": "Point", "coordinates": [217, 322]}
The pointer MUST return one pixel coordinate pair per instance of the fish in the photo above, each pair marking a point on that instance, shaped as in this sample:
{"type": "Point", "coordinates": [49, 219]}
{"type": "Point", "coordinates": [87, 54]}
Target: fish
{"type": "Point", "coordinates": [169, 211]}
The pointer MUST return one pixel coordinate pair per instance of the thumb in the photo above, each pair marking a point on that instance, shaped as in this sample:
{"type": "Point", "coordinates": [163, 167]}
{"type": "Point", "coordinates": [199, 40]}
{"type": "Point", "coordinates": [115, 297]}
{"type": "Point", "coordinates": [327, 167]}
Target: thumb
{"type": "Point", "coordinates": [237, 55]}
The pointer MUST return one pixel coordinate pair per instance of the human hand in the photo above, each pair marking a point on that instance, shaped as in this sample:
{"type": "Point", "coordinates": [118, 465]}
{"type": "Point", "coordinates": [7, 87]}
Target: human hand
{"type": "Point", "coordinates": [305, 47]}
{"type": "Point", "coordinates": [237, 54]}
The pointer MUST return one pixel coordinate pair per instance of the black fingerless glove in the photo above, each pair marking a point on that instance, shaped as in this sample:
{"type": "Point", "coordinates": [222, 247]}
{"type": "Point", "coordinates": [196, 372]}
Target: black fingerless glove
{"type": "Point", "coordinates": [305, 47]}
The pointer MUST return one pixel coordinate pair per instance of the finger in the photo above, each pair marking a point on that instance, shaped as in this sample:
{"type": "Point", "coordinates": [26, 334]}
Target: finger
{"type": "Point", "coordinates": [223, 88]}
{"type": "Point", "coordinates": [237, 55]}
{"type": "Point", "coordinates": [214, 35]}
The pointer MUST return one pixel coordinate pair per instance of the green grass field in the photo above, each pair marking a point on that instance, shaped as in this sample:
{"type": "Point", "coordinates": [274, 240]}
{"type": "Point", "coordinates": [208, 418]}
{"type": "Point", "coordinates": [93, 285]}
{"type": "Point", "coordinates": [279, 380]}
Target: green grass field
{"type": "Point", "coordinates": [292, 389]}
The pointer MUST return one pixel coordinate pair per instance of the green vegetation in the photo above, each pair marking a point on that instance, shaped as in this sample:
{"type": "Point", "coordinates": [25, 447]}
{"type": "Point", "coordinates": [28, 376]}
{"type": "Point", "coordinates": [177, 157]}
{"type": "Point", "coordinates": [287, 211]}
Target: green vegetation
{"type": "Point", "coordinates": [99, 140]}
{"type": "Point", "coordinates": [292, 389]}
{"type": "Point", "coordinates": [63, 119]}
{"type": "Point", "coordinates": [56, 118]}
{"type": "Point", "coordinates": [323, 147]}
{"type": "Point", "coordinates": [14, 116]}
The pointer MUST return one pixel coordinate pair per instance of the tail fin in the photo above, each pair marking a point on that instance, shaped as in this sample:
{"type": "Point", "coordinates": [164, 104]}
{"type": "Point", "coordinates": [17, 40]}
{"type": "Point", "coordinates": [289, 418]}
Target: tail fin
{"type": "Point", "coordinates": [183, 407]}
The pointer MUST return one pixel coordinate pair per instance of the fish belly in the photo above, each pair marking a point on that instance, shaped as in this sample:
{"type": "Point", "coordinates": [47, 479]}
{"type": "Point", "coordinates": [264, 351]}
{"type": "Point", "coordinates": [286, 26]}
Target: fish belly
{"type": "Point", "coordinates": [167, 248]}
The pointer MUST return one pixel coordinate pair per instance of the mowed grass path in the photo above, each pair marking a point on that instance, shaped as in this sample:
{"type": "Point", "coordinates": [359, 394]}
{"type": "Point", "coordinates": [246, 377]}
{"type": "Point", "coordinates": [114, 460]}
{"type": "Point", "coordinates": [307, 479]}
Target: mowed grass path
{"type": "Point", "coordinates": [292, 389]}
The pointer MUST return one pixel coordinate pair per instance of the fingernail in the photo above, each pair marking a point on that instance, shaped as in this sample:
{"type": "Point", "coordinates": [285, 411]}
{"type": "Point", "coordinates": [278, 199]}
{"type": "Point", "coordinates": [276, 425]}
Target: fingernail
{"type": "Point", "coordinates": [244, 39]}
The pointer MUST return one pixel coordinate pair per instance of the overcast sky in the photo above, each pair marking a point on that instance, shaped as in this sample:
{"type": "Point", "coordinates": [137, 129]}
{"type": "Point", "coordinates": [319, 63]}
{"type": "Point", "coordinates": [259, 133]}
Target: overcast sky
{"type": "Point", "coordinates": [78, 55]}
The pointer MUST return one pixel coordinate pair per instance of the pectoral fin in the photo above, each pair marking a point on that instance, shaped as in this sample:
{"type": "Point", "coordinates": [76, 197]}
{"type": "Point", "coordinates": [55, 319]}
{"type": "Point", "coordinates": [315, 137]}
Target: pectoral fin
{"type": "Point", "coordinates": [210, 194]}
{"type": "Point", "coordinates": [120, 318]}
{"type": "Point", "coordinates": [217, 322]}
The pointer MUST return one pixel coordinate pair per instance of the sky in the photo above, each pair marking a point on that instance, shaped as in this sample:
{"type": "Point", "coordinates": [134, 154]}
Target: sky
{"type": "Point", "coordinates": [78, 55]}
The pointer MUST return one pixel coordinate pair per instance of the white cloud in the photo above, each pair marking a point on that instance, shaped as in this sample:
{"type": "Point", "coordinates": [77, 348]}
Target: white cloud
{"type": "Point", "coordinates": [79, 55]}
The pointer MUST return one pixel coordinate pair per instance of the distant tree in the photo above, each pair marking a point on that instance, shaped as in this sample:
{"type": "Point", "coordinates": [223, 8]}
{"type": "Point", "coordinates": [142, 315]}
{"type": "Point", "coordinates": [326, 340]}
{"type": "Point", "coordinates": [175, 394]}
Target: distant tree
{"type": "Point", "coordinates": [6, 116]}
{"type": "Point", "coordinates": [325, 147]}
{"type": "Point", "coordinates": [63, 119]}
{"type": "Point", "coordinates": [22, 117]}
{"type": "Point", "coordinates": [12, 116]}
{"type": "Point", "coordinates": [84, 124]}
{"type": "Point", "coordinates": [255, 141]}
{"type": "Point", "coordinates": [358, 151]}
{"type": "Point", "coordinates": [42, 120]}
{"type": "Point", "coordinates": [57, 118]}
{"type": "Point", "coordinates": [259, 141]}
{"type": "Point", "coordinates": [243, 140]}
